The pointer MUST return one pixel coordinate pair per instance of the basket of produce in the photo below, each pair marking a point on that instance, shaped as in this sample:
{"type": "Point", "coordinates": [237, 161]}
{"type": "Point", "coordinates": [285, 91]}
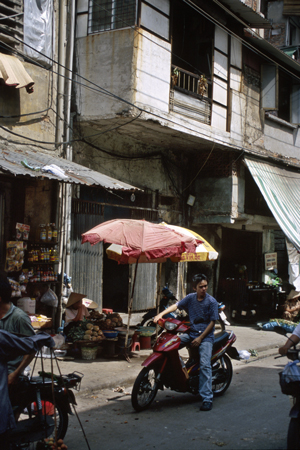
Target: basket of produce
{"type": "Point", "coordinates": [89, 352]}
{"type": "Point", "coordinates": [110, 333]}
{"type": "Point", "coordinates": [85, 331]}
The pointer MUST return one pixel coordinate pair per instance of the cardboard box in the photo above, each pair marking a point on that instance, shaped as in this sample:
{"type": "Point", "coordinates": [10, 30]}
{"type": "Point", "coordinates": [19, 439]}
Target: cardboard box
{"type": "Point", "coordinates": [42, 324]}
{"type": "Point", "coordinates": [27, 305]}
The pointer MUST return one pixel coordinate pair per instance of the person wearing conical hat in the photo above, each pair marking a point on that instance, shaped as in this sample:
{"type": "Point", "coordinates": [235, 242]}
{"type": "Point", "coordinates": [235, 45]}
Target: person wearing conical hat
{"type": "Point", "coordinates": [292, 306]}
{"type": "Point", "coordinates": [75, 309]}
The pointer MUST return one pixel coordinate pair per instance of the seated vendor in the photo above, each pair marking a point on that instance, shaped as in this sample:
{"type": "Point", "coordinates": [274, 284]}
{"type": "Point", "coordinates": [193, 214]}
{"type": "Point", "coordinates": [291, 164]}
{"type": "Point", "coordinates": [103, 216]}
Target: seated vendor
{"type": "Point", "coordinates": [75, 309]}
{"type": "Point", "coordinates": [292, 306]}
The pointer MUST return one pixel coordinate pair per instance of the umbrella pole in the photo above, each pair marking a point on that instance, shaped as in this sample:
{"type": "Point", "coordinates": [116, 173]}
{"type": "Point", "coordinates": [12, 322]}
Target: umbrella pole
{"type": "Point", "coordinates": [158, 295]}
{"type": "Point", "coordinates": [130, 307]}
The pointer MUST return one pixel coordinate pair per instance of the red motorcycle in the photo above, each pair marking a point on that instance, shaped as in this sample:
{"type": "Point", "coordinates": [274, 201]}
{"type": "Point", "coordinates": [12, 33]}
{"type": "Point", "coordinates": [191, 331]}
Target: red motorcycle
{"type": "Point", "coordinates": [165, 368]}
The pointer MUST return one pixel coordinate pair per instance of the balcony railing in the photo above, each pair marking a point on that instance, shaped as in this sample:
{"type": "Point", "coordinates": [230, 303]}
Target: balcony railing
{"type": "Point", "coordinates": [194, 102]}
{"type": "Point", "coordinates": [188, 81]}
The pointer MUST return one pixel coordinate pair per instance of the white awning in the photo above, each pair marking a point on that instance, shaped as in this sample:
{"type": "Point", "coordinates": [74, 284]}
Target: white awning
{"type": "Point", "coordinates": [281, 189]}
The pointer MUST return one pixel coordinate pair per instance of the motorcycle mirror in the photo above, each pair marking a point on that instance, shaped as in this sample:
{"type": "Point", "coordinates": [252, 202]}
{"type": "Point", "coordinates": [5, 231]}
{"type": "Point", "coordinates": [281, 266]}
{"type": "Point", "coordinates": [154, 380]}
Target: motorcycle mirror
{"type": "Point", "coordinates": [279, 330]}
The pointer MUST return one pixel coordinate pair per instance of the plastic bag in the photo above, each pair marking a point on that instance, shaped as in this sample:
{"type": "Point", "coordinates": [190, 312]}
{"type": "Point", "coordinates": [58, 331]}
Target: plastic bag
{"type": "Point", "coordinates": [59, 340]}
{"type": "Point", "coordinates": [50, 298]}
{"type": "Point", "coordinates": [244, 354]}
{"type": "Point", "coordinates": [291, 372]}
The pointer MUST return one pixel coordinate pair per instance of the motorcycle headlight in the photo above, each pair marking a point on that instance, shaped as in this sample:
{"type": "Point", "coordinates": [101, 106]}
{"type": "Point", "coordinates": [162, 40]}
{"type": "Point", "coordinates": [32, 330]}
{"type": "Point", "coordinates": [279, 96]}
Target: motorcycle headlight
{"type": "Point", "coordinates": [170, 326]}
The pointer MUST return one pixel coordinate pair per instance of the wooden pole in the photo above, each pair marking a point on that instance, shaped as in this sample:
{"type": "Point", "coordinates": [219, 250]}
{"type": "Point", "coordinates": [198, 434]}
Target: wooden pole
{"type": "Point", "coordinates": [130, 306]}
{"type": "Point", "coordinates": [158, 294]}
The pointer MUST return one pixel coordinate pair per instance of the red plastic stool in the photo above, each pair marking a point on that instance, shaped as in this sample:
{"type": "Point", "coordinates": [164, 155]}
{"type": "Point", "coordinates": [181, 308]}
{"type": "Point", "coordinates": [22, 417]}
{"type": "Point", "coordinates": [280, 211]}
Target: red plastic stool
{"type": "Point", "coordinates": [107, 311]}
{"type": "Point", "coordinates": [135, 346]}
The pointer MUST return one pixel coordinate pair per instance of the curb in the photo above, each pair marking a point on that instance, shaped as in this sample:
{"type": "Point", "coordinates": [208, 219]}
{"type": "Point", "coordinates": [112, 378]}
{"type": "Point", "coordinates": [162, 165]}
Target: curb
{"type": "Point", "coordinates": [125, 380]}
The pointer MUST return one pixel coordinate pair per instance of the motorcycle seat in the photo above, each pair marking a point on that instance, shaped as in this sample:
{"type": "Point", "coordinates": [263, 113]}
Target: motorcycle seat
{"type": "Point", "coordinates": [220, 339]}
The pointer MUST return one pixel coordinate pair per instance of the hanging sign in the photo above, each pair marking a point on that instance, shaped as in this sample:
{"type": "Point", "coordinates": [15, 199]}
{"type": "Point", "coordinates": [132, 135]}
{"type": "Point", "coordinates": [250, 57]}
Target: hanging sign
{"type": "Point", "coordinates": [270, 261]}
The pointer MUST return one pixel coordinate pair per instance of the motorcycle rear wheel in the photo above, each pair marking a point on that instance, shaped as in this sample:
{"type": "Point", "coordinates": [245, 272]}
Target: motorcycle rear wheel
{"type": "Point", "coordinates": [221, 381]}
{"type": "Point", "coordinates": [293, 438]}
{"type": "Point", "coordinates": [144, 389]}
{"type": "Point", "coordinates": [61, 413]}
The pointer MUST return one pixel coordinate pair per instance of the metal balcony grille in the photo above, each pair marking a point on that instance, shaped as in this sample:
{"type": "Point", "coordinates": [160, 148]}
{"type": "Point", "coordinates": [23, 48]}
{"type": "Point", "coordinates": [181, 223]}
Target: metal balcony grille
{"type": "Point", "coordinates": [105, 15]}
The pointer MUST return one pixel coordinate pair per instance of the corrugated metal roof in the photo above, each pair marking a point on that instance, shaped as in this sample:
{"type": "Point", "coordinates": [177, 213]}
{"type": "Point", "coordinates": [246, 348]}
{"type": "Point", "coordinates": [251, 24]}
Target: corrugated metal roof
{"type": "Point", "coordinates": [270, 49]}
{"type": "Point", "coordinates": [281, 190]}
{"type": "Point", "coordinates": [247, 14]}
{"type": "Point", "coordinates": [30, 162]}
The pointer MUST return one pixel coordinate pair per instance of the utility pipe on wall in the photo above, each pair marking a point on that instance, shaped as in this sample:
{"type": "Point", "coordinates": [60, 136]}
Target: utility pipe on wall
{"type": "Point", "coordinates": [68, 127]}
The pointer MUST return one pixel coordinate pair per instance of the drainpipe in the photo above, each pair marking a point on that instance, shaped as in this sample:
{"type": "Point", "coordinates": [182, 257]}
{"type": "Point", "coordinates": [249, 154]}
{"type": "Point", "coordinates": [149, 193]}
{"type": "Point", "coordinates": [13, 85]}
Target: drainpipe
{"type": "Point", "coordinates": [59, 137]}
{"type": "Point", "coordinates": [60, 113]}
{"type": "Point", "coordinates": [68, 126]}
{"type": "Point", "coordinates": [61, 72]}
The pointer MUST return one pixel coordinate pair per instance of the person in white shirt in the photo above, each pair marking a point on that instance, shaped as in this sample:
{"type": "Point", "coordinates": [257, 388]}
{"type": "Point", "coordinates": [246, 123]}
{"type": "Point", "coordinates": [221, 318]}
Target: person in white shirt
{"type": "Point", "coordinates": [292, 340]}
{"type": "Point", "coordinates": [75, 309]}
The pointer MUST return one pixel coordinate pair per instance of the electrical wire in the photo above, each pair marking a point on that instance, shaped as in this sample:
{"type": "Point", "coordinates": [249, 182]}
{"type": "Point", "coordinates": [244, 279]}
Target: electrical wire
{"type": "Point", "coordinates": [208, 156]}
{"type": "Point", "coordinates": [102, 90]}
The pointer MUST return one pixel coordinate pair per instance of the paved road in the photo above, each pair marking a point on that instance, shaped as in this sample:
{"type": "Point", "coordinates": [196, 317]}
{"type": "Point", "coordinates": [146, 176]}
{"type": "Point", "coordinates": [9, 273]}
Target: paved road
{"type": "Point", "coordinates": [253, 414]}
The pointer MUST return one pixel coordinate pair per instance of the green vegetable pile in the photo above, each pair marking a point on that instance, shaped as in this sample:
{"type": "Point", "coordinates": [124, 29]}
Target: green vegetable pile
{"type": "Point", "coordinates": [77, 332]}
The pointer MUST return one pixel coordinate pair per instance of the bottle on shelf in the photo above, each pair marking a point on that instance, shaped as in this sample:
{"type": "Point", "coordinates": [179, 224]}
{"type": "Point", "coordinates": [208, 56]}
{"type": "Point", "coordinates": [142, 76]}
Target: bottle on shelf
{"type": "Point", "coordinates": [54, 233]}
{"type": "Point", "coordinates": [56, 255]}
{"type": "Point", "coordinates": [52, 255]}
{"type": "Point", "coordinates": [48, 232]}
{"type": "Point", "coordinates": [41, 255]}
{"type": "Point", "coordinates": [30, 256]}
{"type": "Point", "coordinates": [35, 255]}
{"type": "Point", "coordinates": [43, 235]}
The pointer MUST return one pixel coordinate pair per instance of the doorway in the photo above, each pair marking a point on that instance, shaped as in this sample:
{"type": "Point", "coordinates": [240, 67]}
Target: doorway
{"type": "Point", "coordinates": [241, 263]}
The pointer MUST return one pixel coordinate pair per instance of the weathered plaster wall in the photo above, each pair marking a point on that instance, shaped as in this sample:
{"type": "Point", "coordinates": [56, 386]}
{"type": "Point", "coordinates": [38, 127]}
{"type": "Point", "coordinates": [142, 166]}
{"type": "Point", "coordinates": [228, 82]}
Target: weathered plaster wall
{"type": "Point", "coordinates": [213, 199]}
{"type": "Point", "coordinates": [152, 64]}
{"type": "Point", "coordinates": [105, 59]}
{"type": "Point", "coordinates": [140, 171]}
{"type": "Point", "coordinates": [17, 103]}
{"type": "Point", "coordinates": [281, 139]}
{"type": "Point", "coordinates": [39, 205]}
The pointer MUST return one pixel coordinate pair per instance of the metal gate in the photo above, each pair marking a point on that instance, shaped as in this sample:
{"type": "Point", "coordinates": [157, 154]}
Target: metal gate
{"type": "Point", "coordinates": [86, 261]}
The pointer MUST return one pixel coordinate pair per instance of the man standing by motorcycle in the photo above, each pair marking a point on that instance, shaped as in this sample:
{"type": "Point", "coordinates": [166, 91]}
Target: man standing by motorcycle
{"type": "Point", "coordinates": [202, 309]}
{"type": "Point", "coordinates": [10, 347]}
{"type": "Point", "coordinates": [13, 320]}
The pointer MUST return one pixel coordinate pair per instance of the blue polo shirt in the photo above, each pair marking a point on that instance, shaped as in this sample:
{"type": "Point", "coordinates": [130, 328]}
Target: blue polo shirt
{"type": "Point", "coordinates": [206, 310]}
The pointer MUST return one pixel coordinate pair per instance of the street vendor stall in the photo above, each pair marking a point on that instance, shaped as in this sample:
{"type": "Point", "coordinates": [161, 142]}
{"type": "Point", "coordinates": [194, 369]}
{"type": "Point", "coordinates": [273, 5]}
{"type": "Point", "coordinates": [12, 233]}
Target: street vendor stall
{"type": "Point", "coordinates": [139, 241]}
{"type": "Point", "coordinates": [97, 334]}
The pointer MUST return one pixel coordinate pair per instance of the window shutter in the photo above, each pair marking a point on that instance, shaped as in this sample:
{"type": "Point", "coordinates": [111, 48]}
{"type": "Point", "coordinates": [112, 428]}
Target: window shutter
{"type": "Point", "coordinates": [269, 87]}
{"type": "Point", "coordinates": [295, 104]}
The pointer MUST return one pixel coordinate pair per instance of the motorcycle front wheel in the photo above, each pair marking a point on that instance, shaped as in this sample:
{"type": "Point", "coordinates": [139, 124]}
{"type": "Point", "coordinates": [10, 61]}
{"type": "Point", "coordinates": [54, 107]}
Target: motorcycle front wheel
{"type": "Point", "coordinates": [144, 389]}
{"type": "Point", "coordinates": [57, 413]}
{"type": "Point", "coordinates": [222, 376]}
{"type": "Point", "coordinates": [293, 439]}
